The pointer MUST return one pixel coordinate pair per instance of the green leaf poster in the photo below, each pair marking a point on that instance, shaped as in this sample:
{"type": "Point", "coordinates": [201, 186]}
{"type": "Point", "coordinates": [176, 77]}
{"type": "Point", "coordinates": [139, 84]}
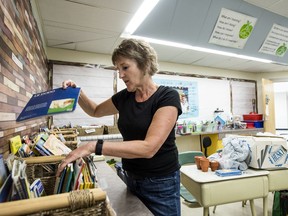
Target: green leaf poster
{"type": "Point", "coordinates": [276, 42]}
{"type": "Point", "coordinates": [232, 29]}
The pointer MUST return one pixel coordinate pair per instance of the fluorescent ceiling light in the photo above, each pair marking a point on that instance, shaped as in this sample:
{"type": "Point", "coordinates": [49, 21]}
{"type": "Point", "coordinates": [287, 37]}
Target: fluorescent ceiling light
{"type": "Point", "coordinates": [143, 11]}
{"type": "Point", "coordinates": [200, 49]}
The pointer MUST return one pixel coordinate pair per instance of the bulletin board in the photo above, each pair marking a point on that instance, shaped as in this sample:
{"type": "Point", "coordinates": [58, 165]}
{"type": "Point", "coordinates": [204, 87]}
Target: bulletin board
{"type": "Point", "coordinates": [204, 95]}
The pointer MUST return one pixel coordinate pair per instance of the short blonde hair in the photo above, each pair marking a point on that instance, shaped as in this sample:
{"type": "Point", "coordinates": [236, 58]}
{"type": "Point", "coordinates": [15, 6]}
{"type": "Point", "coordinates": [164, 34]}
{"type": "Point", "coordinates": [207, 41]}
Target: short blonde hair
{"type": "Point", "coordinates": [140, 51]}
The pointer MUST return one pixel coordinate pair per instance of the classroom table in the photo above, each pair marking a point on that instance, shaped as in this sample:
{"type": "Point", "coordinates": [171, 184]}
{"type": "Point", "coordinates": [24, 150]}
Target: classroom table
{"type": "Point", "coordinates": [211, 190]}
{"type": "Point", "coordinates": [121, 199]}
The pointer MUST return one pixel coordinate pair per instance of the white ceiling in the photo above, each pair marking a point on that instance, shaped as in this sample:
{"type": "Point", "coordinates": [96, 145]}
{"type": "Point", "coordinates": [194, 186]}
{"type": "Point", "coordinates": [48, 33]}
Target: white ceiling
{"type": "Point", "coordinates": [96, 25]}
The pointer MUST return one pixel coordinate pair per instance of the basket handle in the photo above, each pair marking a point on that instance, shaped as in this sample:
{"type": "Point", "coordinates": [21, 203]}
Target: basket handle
{"type": "Point", "coordinates": [57, 201]}
{"type": "Point", "coordinates": [43, 159]}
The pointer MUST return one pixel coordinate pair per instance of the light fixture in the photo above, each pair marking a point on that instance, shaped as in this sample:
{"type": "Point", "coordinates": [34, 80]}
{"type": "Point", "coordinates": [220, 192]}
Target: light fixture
{"type": "Point", "coordinates": [143, 11]}
{"type": "Point", "coordinates": [200, 49]}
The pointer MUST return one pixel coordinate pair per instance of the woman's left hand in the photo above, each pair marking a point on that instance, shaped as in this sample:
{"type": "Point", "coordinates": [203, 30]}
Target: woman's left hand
{"type": "Point", "coordinates": [82, 151]}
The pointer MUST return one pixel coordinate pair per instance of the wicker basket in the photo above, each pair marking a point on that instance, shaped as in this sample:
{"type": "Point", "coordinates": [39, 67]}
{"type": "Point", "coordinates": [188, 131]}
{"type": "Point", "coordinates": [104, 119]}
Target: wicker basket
{"type": "Point", "coordinates": [112, 130]}
{"type": "Point", "coordinates": [80, 202]}
{"type": "Point", "coordinates": [69, 134]}
{"type": "Point", "coordinates": [90, 131]}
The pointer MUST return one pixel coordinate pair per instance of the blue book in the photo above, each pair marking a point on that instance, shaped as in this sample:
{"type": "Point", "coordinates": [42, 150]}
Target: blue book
{"type": "Point", "coordinates": [3, 171]}
{"type": "Point", "coordinates": [50, 102]}
{"type": "Point", "coordinates": [68, 178]}
{"type": "Point", "coordinates": [6, 189]}
{"type": "Point", "coordinates": [61, 181]}
{"type": "Point", "coordinates": [40, 147]}
{"type": "Point", "coordinates": [228, 172]}
{"type": "Point", "coordinates": [37, 188]}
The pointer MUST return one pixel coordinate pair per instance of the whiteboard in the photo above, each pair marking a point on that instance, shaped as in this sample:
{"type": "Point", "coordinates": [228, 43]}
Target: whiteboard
{"type": "Point", "coordinates": [206, 93]}
{"type": "Point", "coordinates": [97, 83]}
{"type": "Point", "coordinates": [211, 94]}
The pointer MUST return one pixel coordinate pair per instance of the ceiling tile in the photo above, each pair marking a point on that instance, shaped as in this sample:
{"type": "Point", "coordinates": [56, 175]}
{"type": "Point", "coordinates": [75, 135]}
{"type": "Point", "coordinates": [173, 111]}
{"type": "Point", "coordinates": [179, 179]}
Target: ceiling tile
{"type": "Point", "coordinates": [96, 26]}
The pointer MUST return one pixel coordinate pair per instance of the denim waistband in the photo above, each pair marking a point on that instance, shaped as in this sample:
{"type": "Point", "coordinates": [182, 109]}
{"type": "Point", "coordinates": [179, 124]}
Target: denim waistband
{"type": "Point", "coordinates": [133, 176]}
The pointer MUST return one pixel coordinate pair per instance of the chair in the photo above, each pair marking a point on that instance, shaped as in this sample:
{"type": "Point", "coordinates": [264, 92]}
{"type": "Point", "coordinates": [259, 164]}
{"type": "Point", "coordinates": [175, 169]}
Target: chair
{"type": "Point", "coordinates": [184, 159]}
{"type": "Point", "coordinates": [206, 143]}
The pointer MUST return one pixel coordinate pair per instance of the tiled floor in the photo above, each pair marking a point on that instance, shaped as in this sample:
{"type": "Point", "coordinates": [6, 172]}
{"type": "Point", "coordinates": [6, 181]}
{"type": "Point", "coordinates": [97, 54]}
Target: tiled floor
{"type": "Point", "coordinates": [233, 209]}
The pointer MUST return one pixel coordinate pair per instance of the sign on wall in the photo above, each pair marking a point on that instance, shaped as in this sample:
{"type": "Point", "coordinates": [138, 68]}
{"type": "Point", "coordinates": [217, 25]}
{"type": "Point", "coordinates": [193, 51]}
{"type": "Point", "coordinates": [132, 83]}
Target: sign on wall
{"type": "Point", "coordinates": [232, 29]}
{"type": "Point", "coordinates": [188, 93]}
{"type": "Point", "coordinates": [276, 41]}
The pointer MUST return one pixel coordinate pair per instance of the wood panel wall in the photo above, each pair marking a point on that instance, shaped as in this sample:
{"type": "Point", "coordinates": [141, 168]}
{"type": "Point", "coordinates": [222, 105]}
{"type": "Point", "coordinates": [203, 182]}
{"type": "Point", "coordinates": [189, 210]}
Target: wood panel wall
{"type": "Point", "coordinates": [23, 69]}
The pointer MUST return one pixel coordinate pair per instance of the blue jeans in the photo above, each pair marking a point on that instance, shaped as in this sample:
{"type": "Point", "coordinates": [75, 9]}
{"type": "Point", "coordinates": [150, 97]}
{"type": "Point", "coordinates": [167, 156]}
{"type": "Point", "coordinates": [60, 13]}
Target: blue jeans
{"type": "Point", "coordinates": [161, 195]}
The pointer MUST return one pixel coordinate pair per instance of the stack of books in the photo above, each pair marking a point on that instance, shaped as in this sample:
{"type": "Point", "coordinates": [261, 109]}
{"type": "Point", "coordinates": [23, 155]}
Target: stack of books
{"type": "Point", "coordinates": [81, 174]}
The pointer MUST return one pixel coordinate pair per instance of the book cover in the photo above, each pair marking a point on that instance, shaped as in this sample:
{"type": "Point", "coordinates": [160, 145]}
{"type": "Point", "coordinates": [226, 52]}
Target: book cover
{"type": "Point", "coordinates": [55, 146]}
{"type": "Point", "coordinates": [6, 189]}
{"type": "Point", "coordinates": [37, 188]}
{"type": "Point", "coordinates": [41, 149]}
{"type": "Point", "coordinates": [62, 176]}
{"type": "Point", "coordinates": [228, 172]}
{"type": "Point", "coordinates": [80, 182]}
{"type": "Point", "coordinates": [50, 102]}
{"type": "Point", "coordinates": [79, 164]}
{"type": "Point", "coordinates": [16, 172]}
{"type": "Point", "coordinates": [68, 178]}
{"type": "Point", "coordinates": [57, 182]}
{"type": "Point", "coordinates": [87, 179]}
{"type": "Point", "coordinates": [15, 144]}
{"type": "Point", "coordinates": [3, 171]}
{"type": "Point", "coordinates": [24, 181]}
{"type": "Point", "coordinates": [92, 171]}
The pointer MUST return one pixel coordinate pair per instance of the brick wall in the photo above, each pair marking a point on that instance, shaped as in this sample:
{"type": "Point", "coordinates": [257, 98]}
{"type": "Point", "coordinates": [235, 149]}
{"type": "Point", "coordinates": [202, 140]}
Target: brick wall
{"type": "Point", "coordinates": [23, 69]}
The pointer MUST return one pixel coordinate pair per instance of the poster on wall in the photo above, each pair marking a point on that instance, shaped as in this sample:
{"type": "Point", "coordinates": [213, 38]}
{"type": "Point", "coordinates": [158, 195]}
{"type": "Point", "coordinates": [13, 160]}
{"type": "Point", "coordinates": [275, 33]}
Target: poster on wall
{"type": "Point", "coordinates": [50, 102]}
{"type": "Point", "coordinates": [188, 93]}
{"type": "Point", "coordinates": [232, 29]}
{"type": "Point", "coordinates": [276, 41]}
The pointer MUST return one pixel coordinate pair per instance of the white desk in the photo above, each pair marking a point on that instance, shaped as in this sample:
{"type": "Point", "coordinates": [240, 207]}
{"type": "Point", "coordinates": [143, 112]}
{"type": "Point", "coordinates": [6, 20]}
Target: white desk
{"type": "Point", "coordinates": [211, 190]}
{"type": "Point", "coordinates": [278, 179]}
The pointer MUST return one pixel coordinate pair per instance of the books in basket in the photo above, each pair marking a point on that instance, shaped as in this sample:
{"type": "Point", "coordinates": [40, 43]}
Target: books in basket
{"type": "Point", "coordinates": [228, 172]}
{"type": "Point", "coordinates": [64, 181]}
{"type": "Point", "coordinates": [66, 187]}
{"type": "Point", "coordinates": [79, 164]}
{"type": "Point", "coordinates": [59, 182]}
{"type": "Point", "coordinates": [20, 180]}
{"type": "Point", "coordinates": [55, 146]}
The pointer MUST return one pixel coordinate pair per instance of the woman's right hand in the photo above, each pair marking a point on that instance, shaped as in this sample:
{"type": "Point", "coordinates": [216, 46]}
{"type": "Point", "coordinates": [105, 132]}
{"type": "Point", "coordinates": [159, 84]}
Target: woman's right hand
{"type": "Point", "coordinates": [68, 83]}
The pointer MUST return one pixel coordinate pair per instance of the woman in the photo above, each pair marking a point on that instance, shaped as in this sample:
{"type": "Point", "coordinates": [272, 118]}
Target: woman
{"type": "Point", "coordinates": [147, 118]}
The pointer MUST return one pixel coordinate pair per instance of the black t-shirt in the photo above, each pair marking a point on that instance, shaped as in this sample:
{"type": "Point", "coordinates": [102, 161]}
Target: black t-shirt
{"type": "Point", "coordinates": [133, 123]}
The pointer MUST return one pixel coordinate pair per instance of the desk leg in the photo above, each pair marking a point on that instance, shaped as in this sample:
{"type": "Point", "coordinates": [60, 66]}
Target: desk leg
{"type": "Point", "coordinates": [252, 206]}
{"type": "Point", "coordinates": [265, 206]}
{"type": "Point", "coordinates": [205, 211]}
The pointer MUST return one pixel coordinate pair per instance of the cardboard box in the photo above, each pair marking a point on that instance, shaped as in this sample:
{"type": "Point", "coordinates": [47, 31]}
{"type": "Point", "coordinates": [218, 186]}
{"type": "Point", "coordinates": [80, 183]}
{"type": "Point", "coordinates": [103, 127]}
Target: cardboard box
{"type": "Point", "coordinates": [267, 152]}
